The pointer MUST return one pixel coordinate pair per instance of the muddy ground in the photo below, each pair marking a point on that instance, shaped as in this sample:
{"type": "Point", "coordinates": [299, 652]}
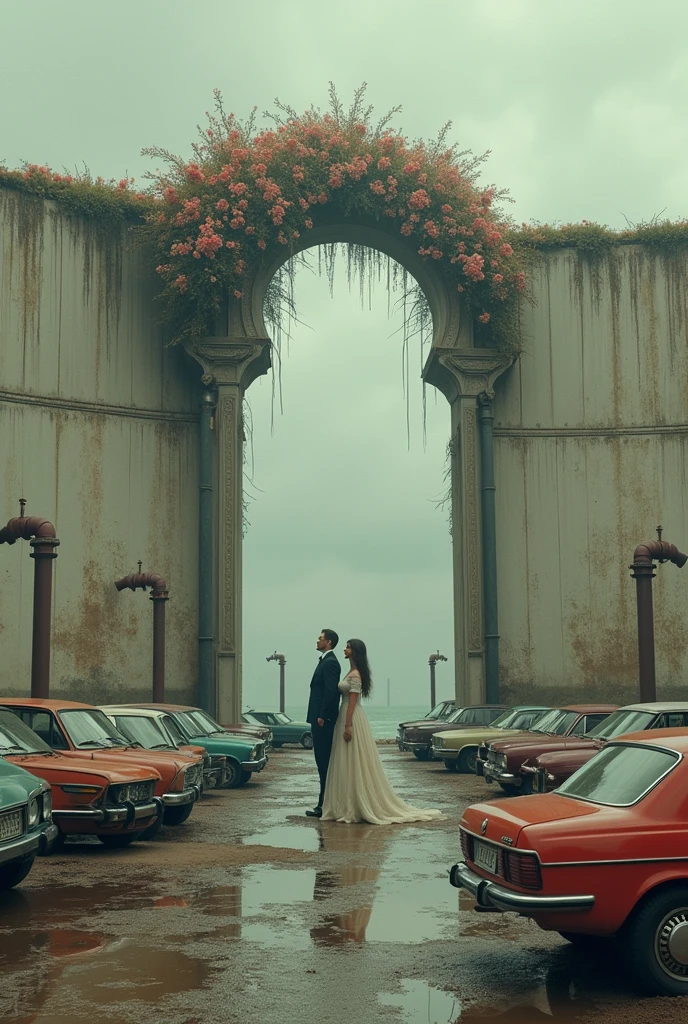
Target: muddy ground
{"type": "Point", "coordinates": [252, 912]}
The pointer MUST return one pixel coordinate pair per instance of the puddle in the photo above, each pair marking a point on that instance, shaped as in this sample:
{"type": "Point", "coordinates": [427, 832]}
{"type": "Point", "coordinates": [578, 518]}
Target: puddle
{"type": "Point", "coordinates": [286, 837]}
{"type": "Point", "coordinates": [423, 1004]}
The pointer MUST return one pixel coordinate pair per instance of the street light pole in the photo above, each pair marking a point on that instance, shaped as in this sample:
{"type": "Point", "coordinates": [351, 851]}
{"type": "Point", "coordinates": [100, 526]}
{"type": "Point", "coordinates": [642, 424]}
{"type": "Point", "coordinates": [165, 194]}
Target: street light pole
{"type": "Point", "coordinates": [282, 662]}
{"type": "Point", "coordinates": [432, 661]}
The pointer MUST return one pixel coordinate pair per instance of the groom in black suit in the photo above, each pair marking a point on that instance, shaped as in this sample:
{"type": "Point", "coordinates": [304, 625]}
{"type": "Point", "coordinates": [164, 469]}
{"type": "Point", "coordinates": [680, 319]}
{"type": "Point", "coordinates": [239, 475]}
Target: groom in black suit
{"type": "Point", "coordinates": [323, 707]}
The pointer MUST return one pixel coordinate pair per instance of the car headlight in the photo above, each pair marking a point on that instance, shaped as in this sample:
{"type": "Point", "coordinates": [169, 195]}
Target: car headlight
{"type": "Point", "coordinates": [33, 811]}
{"type": "Point", "coordinates": [253, 756]}
{"type": "Point", "coordinates": [47, 804]}
{"type": "Point", "coordinates": [437, 741]}
{"type": "Point", "coordinates": [118, 794]}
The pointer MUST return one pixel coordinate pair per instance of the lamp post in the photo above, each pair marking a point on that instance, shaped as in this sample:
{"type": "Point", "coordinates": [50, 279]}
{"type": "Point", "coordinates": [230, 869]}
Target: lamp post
{"type": "Point", "coordinates": [282, 662]}
{"type": "Point", "coordinates": [432, 661]}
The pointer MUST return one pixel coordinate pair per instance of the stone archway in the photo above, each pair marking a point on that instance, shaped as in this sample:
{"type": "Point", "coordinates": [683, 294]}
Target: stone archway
{"type": "Point", "coordinates": [240, 352]}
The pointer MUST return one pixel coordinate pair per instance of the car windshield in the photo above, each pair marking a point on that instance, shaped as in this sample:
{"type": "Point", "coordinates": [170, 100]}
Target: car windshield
{"type": "Point", "coordinates": [17, 738]}
{"type": "Point", "coordinates": [456, 715]}
{"type": "Point", "coordinates": [621, 722]}
{"type": "Point", "coordinates": [281, 718]}
{"type": "Point", "coordinates": [515, 719]}
{"type": "Point", "coordinates": [620, 775]}
{"type": "Point", "coordinates": [89, 727]}
{"type": "Point", "coordinates": [189, 725]}
{"type": "Point", "coordinates": [555, 722]}
{"type": "Point", "coordinates": [173, 731]}
{"type": "Point", "coordinates": [250, 719]}
{"type": "Point", "coordinates": [527, 719]}
{"type": "Point", "coordinates": [145, 731]}
{"type": "Point", "coordinates": [440, 711]}
{"type": "Point", "coordinates": [206, 724]}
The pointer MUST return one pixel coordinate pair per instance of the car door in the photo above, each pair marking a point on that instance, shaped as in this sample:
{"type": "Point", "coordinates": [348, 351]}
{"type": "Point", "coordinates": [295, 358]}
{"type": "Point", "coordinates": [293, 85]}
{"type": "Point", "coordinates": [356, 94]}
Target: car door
{"type": "Point", "coordinates": [44, 725]}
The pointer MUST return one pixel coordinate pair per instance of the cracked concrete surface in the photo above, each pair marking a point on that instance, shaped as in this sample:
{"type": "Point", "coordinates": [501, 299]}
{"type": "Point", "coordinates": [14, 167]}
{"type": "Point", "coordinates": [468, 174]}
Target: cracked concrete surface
{"type": "Point", "coordinates": [251, 910]}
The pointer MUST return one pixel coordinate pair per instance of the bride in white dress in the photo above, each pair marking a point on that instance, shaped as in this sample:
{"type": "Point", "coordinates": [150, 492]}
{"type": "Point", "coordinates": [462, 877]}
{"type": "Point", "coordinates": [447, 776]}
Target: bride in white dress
{"type": "Point", "coordinates": [357, 788]}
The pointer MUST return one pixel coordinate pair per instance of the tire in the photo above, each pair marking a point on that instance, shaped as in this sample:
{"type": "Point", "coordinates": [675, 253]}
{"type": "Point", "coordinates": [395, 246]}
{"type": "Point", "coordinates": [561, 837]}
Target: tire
{"type": "Point", "coordinates": [526, 787]}
{"type": "Point", "coordinates": [13, 874]}
{"type": "Point", "coordinates": [152, 830]}
{"type": "Point", "coordinates": [120, 842]}
{"type": "Point", "coordinates": [57, 846]}
{"type": "Point", "coordinates": [582, 941]}
{"type": "Point", "coordinates": [422, 755]}
{"type": "Point", "coordinates": [234, 771]}
{"type": "Point", "coordinates": [467, 759]}
{"type": "Point", "coordinates": [276, 746]}
{"type": "Point", "coordinates": [307, 741]}
{"type": "Point", "coordinates": [245, 777]}
{"type": "Point", "coordinates": [651, 939]}
{"type": "Point", "coordinates": [509, 788]}
{"type": "Point", "coordinates": [451, 765]}
{"type": "Point", "coordinates": [177, 815]}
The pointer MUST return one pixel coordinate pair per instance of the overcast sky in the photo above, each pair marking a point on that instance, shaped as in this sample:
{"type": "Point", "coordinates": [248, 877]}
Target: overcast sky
{"type": "Point", "coordinates": [582, 103]}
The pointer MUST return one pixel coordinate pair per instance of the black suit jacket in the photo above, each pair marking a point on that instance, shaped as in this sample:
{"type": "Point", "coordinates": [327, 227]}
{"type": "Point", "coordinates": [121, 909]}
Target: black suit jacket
{"type": "Point", "coordinates": [324, 698]}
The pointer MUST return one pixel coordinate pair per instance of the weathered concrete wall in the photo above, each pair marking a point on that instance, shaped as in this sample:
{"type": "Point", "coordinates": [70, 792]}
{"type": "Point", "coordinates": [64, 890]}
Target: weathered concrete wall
{"type": "Point", "coordinates": [98, 430]}
{"type": "Point", "coordinates": [592, 439]}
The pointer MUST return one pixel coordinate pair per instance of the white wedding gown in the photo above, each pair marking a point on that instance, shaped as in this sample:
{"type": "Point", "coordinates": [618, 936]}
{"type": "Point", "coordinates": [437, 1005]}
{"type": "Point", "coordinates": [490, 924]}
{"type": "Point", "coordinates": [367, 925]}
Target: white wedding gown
{"type": "Point", "coordinates": [357, 788]}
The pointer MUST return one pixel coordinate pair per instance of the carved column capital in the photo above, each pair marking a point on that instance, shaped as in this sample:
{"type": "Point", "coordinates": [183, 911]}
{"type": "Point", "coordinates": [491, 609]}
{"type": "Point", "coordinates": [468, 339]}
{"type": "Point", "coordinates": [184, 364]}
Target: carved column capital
{"type": "Point", "coordinates": [231, 361]}
{"type": "Point", "coordinates": [465, 372]}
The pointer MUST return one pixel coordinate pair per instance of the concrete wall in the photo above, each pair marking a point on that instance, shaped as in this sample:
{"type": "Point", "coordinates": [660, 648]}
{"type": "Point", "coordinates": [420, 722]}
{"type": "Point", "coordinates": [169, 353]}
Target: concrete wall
{"type": "Point", "coordinates": [592, 439]}
{"type": "Point", "coordinates": [98, 431]}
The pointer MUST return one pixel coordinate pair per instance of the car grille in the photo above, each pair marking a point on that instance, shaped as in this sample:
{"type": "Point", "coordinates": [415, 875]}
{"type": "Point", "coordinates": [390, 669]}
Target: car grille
{"type": "Point", "coordinates": [141, 792]}
{"type": "Point", "coordinates": [521, 869]}
{"type": "Point", "coordinates": [11, 824]}
{"type": "Point", "coordinates": [193, 775]}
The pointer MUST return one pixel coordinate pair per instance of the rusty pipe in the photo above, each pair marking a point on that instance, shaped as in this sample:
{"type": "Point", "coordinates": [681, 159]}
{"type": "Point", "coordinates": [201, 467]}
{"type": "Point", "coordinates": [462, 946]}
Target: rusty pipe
{"type": "Point", "coordinates": [643, 573]}
{"type": "Point", "coordinates": [159, 595]}
{"type": "Point", "coordinates": [41, 535]}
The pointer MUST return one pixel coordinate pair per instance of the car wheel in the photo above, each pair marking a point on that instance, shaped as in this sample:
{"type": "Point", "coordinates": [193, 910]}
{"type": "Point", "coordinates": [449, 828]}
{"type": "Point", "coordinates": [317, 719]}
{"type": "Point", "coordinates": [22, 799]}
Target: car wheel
{"type": "Point", "coordinates": [234, 771]}
{"type": "Point", "coordinates": [244, 778]}
{"type": "Point", "coordinates": [467, 761]}
{"type": "Point", "coordinates": [13, 874]}
{"type": "Point", "coordinates": [451, 765]}
{"type": "Point", "coordinates": [152, 830]}
{"type": "Point", "coordinates": [177, 815]}
{"type": "Point", "coordinates": [119, 842]}
{"type": "Point", "coordinates": [57, 845]}
{"type": "Point", "coordinates": [526, 786]}
{"type": "Point", "coordinates": [307, 741]}
{"type": "Point", "coordinates": [276, 746]}
{"type": "Point", "coordinates": [422, 755]}
{"type": "Point", "coordinates": [657, 943]}
{"type": "Point", "coordinates": [509, 788]}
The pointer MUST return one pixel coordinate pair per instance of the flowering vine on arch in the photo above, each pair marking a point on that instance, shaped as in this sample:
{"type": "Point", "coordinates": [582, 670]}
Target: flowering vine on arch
{"type": "Point", "coordinates": [247, 191]}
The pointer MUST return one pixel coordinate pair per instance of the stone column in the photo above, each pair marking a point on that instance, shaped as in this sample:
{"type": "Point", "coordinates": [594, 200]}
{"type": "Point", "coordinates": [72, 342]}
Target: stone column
{"type": "Point", "coordinates": [230, 365]}
{"type": "Point", "coordinates": [462, 374]}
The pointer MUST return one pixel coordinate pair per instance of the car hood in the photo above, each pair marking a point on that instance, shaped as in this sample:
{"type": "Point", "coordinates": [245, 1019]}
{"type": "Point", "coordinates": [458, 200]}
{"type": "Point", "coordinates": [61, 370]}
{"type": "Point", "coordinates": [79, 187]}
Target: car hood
{"type": "Point", "coordinates": [522, 738]}
{"type": "Point", "coordinates": [60, 767]}
{"type": "Point", "coordinates": [167, 762]}
{"type": "Point", "coordinates": [426, 729]}
{"type": "Point", "coordinates": [561, 744]}
{"type": "Point", "coordinates": [503, 821]}
{"type": "Point", "coordinates": [421, 721]}
{"type": "Point", "coordinates": [476, 734]}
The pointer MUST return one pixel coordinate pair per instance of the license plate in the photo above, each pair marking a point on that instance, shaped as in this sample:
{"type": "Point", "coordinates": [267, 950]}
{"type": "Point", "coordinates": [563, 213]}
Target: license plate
{"type": "Point", "coordinates": [485, 857]}
{"type": "Point", "coordinates": [11, 825]}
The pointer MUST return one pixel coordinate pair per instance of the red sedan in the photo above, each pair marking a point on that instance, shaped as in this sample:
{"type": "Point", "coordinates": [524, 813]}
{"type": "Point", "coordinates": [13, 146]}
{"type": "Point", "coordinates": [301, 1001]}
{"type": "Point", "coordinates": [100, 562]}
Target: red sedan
{"type": "Point", "coordinates": [606, 855]}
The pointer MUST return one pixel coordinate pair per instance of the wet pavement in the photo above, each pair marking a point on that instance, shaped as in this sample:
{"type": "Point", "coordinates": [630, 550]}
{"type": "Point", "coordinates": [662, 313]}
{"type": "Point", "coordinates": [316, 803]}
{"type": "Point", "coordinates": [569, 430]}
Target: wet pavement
{"type": "Point", "coordinates": [251, 910]}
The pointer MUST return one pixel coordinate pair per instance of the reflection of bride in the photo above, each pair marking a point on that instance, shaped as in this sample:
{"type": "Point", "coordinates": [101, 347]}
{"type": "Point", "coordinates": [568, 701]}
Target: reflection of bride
{"type": "Point", "coordinates": [349, 926]}
{"type": "Point", "coordinates": [357, 788]}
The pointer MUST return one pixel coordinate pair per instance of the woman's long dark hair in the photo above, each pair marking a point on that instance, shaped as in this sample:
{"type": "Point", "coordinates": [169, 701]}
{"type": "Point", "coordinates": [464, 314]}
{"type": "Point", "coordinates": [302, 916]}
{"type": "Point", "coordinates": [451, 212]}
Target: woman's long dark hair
{"type": "Point", "coordinates": [359, 660]}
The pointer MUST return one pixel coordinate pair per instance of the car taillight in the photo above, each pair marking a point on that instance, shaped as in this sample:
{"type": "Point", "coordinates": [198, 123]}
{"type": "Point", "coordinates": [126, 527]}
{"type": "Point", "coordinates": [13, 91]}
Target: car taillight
{"type": "Point", "coordinates": [523, 869]}
{"type": "Point", "coordinates": [466, 845]}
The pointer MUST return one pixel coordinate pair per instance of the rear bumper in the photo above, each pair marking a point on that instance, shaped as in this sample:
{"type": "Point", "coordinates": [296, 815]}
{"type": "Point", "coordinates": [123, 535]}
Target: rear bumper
{"type": "Point", "coordinates": [25, 846]}
{"type": "Point", "coordinates": [124, 815]}
{"type": "Point", "coordinates": [490, 894]}
{"type": "Point", "coordinates": [254, 766]}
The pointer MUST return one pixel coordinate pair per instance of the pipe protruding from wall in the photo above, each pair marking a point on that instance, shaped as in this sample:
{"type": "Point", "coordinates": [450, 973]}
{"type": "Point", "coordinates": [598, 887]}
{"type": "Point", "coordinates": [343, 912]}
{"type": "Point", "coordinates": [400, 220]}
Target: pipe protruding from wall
{"type": "Point", "coordinates": [159, 595]}
{"type": "Point", "coordinates": [643, 573]}
{"type": "Point", "coordinates": [40, 534]}
{"type": "Point", "coordinates": [282, 661]}
{"type": "Point", "coordinates": [432, 662]}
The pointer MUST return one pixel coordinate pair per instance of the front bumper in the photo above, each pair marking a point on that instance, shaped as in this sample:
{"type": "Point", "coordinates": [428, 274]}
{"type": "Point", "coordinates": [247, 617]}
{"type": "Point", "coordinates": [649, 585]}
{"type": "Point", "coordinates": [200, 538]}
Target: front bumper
{"type": "Point", "coordinates": [492, 773]}
{"type": "Point", "coordinates": [26, 845]}
{"type": "Point", "coordinates": [491, 895]}
{"type": "Point", "coordinates": [186, 796]}
{"type": "Point", "coordinates": [254, 766]}
{"type": "Point", "coordinates": [124, 815]}
{"type": "Point", "coordinates": [444, 753]}
{"type": "Point", "coordinates": [412, 746]}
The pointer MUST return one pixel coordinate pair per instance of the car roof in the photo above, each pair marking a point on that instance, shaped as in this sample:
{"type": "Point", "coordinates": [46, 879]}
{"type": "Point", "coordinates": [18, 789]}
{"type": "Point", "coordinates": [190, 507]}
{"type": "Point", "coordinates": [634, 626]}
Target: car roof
{"type": "Point", "coordinates": [159, 707]}
{"type": "Point", "coordinates": [531, 707]}
{"type": "Point", "coordinates": [113, 709]}
{"type": "Point", "coordinates": [263, 711]}
{"type": "Point", "coordinates": [45, 702]}
{"type": "Point", "coordinates": [657, 705]}
{"type": "Point", "coordinates": [675, 739]}
{"type": "Point", "coordinates": [588, 709]}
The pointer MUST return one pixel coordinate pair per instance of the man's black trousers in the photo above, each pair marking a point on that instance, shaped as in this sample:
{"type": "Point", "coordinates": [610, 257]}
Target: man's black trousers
{"type": "Point", "coordinates": [322, 748]}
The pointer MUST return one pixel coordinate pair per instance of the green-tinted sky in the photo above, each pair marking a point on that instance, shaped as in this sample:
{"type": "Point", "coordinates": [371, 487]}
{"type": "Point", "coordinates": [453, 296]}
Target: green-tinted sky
{"type": "Point", "coordinates": [582, 103]}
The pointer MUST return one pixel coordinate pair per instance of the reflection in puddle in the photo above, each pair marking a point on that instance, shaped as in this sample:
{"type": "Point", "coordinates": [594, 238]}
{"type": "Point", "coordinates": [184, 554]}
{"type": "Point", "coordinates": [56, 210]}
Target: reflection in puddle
{"type": "Point", "coordinates": [420, 1002]}
{"type": "Point", "coordinates": [286, 837]}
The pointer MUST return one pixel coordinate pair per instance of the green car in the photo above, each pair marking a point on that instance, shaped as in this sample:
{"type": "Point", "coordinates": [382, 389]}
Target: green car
{"type": "Point", "coordinates": [26, 826]}
{"type": "Point", "coordinates": [244, 755]}
{"type": "Point", "coordinates": [284, 728]}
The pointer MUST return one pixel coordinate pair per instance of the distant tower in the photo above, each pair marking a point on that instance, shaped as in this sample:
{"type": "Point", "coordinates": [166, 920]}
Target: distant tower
{"type": "Point", "coordinates": [388, 693]}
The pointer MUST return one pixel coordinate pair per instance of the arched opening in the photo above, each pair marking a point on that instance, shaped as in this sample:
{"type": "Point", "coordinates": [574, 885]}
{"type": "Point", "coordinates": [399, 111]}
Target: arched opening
{"type": "Point", "coordinates": [346, 529]}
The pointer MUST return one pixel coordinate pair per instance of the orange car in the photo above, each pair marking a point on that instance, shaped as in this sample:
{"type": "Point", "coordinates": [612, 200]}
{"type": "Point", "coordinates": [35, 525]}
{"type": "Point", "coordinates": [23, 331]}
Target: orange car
{"type": "Point", "coordinates": [85, 732]}
{"type": "Point", "coordinates": [115, 803]}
